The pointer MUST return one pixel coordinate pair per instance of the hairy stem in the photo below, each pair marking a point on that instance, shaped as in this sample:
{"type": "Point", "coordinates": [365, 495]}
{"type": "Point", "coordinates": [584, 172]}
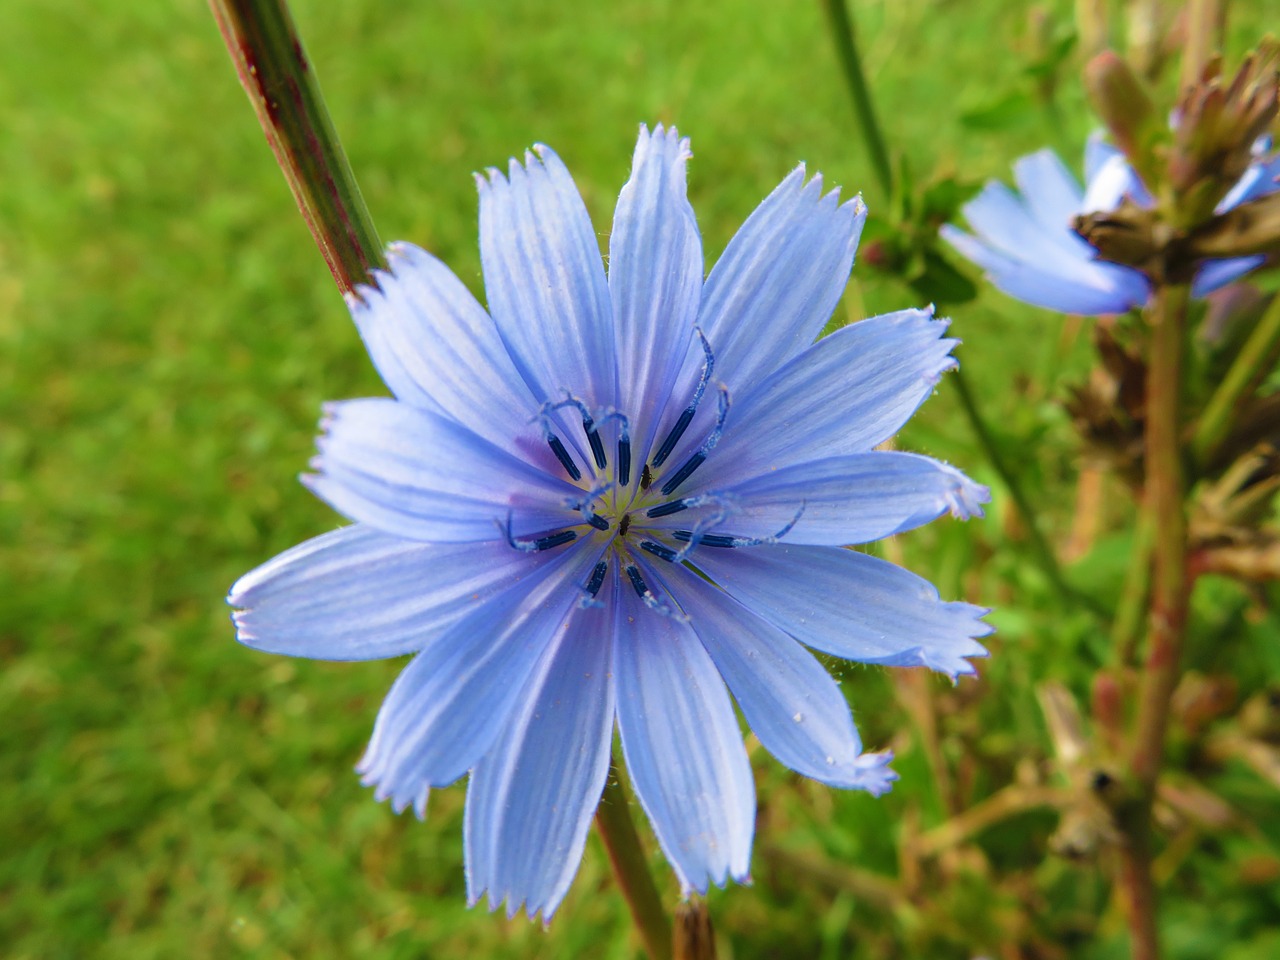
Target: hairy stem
{"type": "Point", "coordinates": [631, 868]}
{"type": "Point", "coordinates": [273, 69]}
{"type": "Point", "coordinates": [842, 32]}
{"type": "Point", "coordinates": [1164, 501]}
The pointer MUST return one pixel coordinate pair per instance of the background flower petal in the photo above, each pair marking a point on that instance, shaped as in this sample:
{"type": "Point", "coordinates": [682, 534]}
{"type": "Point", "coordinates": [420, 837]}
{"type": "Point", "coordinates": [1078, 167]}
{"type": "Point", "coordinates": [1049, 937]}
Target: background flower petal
{"type": "Point", "coordinates": [360, 594]}
{"type": "Point", "coordinates": [447, 707]}
{"type": "Point", "coordinates": [1051, 193]}
{"type": "Point", "coordinates": [545, 282]}
{"type": "Point", "coordinates": [436, 348]}
{"type": "Point", "coordinates": [850, 605]}
{"type": "Point", "coordinates": [416, 474]}
{"type": "Point", "coordinates": [845, 394]}
{"type": "Point", "coordinates": [655, 279]}
{"type": "Point", "coordinates": [840, 500]}
{"type": "Point", "coordinates": [787, 697]}
{"type": "Point", "coordinates": [531, 798]}
{"type": "Point", "coordinates": [683, 748]}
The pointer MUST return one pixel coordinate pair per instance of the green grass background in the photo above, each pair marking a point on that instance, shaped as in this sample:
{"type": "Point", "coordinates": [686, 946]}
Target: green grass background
{"type": "Point", "coordinates": [168, 332]}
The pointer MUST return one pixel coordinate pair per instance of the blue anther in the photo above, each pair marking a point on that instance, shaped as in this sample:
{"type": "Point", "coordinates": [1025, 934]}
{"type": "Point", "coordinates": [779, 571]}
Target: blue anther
{"type": "Point", "coordinates": [600, 523]}
{"type": "Point", "coordinates": [707, 539]}
{"type": "Point", "coordinates": [686, 415]}
{"type": "Point", "coordinates": [673, 437]}
{"type": "Point", "coordinates": [597, 578]}
{"type": "Point", "coordinates": [562, 455]}
{"type": "Point", "coordinates": [540, 543]}
{"type": "Point", "coordinates": [624, 462]}
{"type": "Point", "coordinates": [658, 550]}
{"type": "Point", "coordinates": [666, 509]}
{"type": "Point", "coordinates": [637, 581]}
{"type": "Point", "coordinates": [684, 473]}
{"type": "Point", "coordinates": [593, 438]}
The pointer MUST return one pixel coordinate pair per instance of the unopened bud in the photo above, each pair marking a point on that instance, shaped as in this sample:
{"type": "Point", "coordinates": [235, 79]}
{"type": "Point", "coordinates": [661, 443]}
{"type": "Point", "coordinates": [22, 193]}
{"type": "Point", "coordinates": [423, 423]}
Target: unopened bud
{"type": "Point", "coordinates": [1122, 101]}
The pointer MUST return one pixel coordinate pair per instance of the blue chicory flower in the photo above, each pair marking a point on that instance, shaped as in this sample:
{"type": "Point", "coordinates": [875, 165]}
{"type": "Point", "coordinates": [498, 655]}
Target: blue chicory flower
{"type": "Point", "coordinates": [1028, 249]}
{"type": "Point", "coordinates": [609, 497]}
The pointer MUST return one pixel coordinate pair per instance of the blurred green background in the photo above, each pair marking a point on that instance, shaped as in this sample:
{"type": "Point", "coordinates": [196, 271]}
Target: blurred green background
{"type": "Point", "coordinates": [168, 332]}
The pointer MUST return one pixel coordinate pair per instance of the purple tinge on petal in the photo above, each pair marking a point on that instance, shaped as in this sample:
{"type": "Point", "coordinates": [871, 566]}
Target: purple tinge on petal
{"type": "Point", "coordinates": [683, 748]}
{"type": "Point", "coordinates": [449, 704]}
{"type": "Point", "coordinates": [360, 594]}
{"type": "Point", "coordinates": [850, 605]}
{"type": "Point", "coordinates": [545, 281]}
{"type": "Point", "coordinates": [531, 798]}
{"type": "Point", "coordinates": [788, 698]}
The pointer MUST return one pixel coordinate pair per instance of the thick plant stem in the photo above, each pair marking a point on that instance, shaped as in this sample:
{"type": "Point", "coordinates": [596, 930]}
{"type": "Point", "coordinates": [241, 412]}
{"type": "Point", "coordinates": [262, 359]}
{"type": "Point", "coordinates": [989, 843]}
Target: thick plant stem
{"type": "Point", "coordinates": [269, 59]}
{"type": "Point", "coordinates": [1165, 503]}
{"type": "Point", "coordinates": [1252, 364]}
{"type": "Point", "coordinates": [1044, 556]}
{"type": "Point", "coordinates": [842, 32]}
{"type": "Point", "coordinates": [630, 867]}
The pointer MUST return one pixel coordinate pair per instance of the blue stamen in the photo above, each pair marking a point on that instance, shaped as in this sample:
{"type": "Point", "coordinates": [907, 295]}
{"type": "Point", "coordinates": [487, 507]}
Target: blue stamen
{"type": "Point", "coordinates": [697, 538]}
{"type": "Point", "coordinates": [666, 509]}
{"type": "Point", "coordinates": [597, 578]}
{"type": "Point", "coordinates": [658, 550]}
{"type": "Point", "coordinates": [562, 455]}
{"type": "Point", "coordinates": [600, 523]}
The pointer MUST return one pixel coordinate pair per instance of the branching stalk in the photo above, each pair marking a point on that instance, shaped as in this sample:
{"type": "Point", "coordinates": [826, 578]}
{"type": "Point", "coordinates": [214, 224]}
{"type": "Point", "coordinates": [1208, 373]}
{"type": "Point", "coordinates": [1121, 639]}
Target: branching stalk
{"type": "Point", "coordinates": [1251, 366]}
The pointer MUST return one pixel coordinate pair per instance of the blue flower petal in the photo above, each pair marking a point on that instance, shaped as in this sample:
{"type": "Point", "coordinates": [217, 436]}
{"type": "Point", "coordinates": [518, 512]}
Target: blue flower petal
{"type": "Point", "coordinates": [446, 709]}
{"type": "Point", "coordinates": [787, 697]}
{"type": "Point", "coordinates": [840, 500]}
{"type": "Point", "coordinates": [1051, 193]}
{"type": "Point", "coordinates": [1114, 181]}
{"type": "Point", "coordinates": [360, 594]}
{"type": "Point", "coordinates": [545, 281]}
{"type": "Point", "coordinates": [416, 474]}
{"type": "Point", "coordinates": [845, 394]}
{"type": "Point", "coordinates": [683, 748]}
{"type": "Point", "coordinates": [1005, 223]}
{"type": "Point", "coordinates": [1097, 151]}
{"type": "Point", "coordinates": [851, 605]}
{"type": "Point", "coordinates": [655, 278]}
{"type": "Point", "coordinates": [777, 283]}
{"type": "Point", "coordinates": [437, 349]}
{"type": "Point", "coordinates": [1111, 287]}
{"type": "Point", "coordinates": [531, 798]}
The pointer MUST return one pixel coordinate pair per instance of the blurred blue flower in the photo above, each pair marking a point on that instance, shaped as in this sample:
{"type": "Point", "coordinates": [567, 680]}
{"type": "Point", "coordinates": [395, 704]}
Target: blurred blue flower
{"type": "Point", "coordinates": [609, 497]}
{"type": "Point", "coordinates": [1028, 249]}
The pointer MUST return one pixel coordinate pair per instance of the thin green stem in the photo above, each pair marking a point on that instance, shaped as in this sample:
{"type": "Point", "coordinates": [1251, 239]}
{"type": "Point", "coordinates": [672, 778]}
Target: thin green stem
{"type": "Point", "coordinates": [631, 868]}
{"type": "Point", "coordinates": [1164, 500]}
{"type": "Point", "coordinates": [842, 32]}
{"type": "Point", "coordinates": [1251, 366]}
{"type": "Point", "coordinates": [1044, 556]}
{"type": "Point", "coordinates": [269, 59]}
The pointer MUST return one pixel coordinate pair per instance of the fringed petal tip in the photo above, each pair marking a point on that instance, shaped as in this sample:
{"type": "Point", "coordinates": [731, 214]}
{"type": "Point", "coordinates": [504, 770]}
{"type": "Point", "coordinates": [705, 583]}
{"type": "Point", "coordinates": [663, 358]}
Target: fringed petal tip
{"type": "Point", "coordinates": [871, 773]}
{"type": "Point", "coordinates": [669, 137]}
{"type": "Point", "coordinates": [965, 498]}
{"type": "Point", "coordinates": [402, 796]}
{"type": "Point", "coordinates": [707, 880]}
